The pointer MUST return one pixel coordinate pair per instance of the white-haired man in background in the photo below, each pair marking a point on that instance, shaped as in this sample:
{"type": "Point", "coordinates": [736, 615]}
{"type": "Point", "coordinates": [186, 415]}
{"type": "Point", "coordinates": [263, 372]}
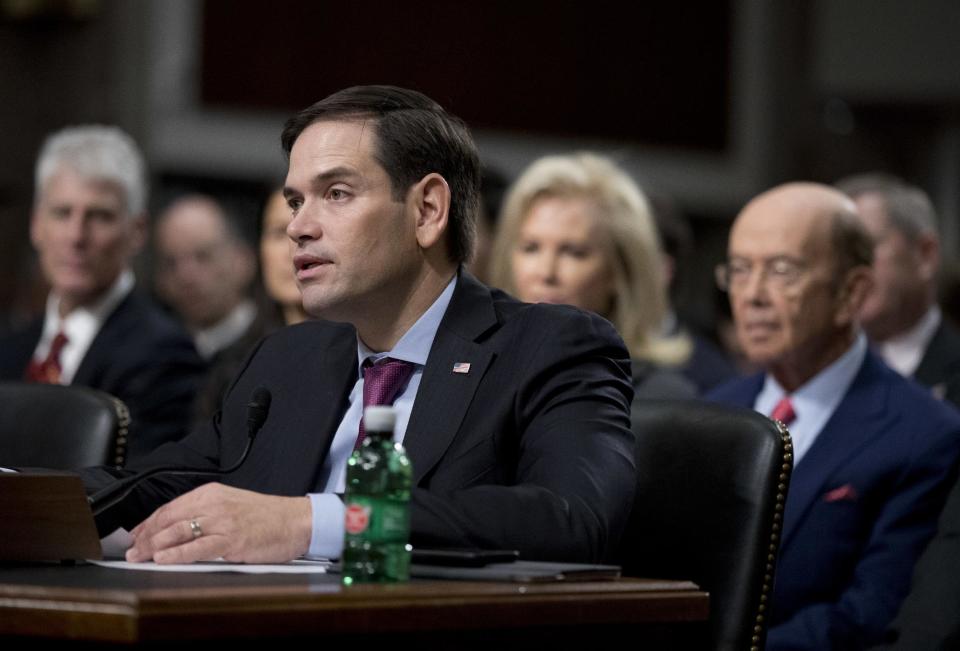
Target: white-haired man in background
{"type": "Point", "coordinates": [88, 222]}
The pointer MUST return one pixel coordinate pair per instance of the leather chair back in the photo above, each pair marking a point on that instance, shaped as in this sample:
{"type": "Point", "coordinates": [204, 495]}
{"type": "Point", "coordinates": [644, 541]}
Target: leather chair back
{"type": "Point", "coordinates": [60, 427]}
{"type": "Point", "coordinates": [709, 507]}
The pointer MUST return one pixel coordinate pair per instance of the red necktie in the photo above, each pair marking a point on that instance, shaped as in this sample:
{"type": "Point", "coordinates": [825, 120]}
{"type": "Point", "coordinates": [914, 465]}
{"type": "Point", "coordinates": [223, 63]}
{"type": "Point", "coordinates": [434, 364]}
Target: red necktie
{"type": "Point", "coordinates": [382, 383]}
{"type": "Point", "coordinates": [48, 370]}
{"type": "Point", "coordinates": [784, 411]}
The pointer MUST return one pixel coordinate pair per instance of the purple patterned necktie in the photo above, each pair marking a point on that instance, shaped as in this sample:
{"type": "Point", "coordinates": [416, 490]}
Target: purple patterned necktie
{"type": "Point", "coordinates": [382, 383]}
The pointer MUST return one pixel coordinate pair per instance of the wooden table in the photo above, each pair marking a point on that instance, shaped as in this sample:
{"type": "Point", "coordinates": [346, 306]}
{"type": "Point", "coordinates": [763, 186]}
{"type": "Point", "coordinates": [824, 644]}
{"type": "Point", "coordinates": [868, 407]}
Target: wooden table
{"type": "Point", "coordinates": [95, 605]}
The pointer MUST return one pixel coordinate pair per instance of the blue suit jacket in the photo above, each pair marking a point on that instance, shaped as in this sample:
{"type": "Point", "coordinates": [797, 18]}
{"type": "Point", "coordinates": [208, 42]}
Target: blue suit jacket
{"type": "Point", "coordinates": [861, 506]}
{"type": "Point", "coordinates": [141, 356]}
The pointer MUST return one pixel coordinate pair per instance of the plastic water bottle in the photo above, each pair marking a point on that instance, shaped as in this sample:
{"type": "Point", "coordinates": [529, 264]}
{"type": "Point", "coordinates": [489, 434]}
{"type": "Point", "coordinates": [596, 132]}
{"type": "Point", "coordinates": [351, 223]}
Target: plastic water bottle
{"type": "Point", "coordinates": [377, 527]}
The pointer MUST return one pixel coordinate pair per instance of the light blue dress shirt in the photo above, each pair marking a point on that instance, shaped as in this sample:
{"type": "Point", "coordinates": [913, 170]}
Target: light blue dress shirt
{"type": "Point", "coordinates": [814, 402]}
{"type": "Point", "coordinates": [414, 346]}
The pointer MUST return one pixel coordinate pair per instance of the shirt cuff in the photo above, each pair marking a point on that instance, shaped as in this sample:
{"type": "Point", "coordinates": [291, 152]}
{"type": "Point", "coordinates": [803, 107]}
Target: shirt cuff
{"type": "Point", "coordinates": [326, 539]}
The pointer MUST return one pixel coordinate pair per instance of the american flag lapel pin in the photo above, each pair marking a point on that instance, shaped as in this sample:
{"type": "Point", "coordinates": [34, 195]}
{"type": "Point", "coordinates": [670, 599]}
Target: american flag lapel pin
{"type": "Point", "coordinates": [461, 367]}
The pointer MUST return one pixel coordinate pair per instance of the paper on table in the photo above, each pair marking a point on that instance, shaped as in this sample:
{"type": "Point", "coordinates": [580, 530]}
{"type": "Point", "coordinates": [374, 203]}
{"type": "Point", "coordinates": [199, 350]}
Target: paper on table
{"type": "Point", "coordinates": [116, 544]}
{"type": "Point", "coordinates": [293, 567]}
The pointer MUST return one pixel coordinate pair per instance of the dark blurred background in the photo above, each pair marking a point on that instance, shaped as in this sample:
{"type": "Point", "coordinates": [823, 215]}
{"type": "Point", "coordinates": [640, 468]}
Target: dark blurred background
{"type": "Point", "coordinates": [705, 104]}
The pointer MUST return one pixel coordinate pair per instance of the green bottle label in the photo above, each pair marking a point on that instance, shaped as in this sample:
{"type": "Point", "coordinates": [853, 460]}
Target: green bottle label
{"type": "Point", "coordinates": [376, 519]}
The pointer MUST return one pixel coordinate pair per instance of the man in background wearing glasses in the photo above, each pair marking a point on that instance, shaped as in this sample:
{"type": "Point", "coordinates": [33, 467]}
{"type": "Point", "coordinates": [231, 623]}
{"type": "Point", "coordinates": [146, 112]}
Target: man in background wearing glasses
{"type": "Point", "coordinates": [873, 452]}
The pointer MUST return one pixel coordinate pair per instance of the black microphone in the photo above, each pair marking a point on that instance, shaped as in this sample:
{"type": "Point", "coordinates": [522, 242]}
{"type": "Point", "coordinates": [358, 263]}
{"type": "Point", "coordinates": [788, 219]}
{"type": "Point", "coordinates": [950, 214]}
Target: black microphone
{"type": "Point", "coordinates": [257, 410]}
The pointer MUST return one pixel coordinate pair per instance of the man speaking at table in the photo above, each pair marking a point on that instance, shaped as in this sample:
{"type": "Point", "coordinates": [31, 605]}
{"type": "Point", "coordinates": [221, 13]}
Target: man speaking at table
{"type": "Point", "coordinates": [515, 416]}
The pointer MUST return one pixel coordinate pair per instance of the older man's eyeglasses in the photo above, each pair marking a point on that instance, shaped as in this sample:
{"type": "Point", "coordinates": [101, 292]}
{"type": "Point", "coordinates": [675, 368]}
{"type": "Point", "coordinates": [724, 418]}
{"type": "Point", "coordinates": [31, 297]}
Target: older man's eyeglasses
{"type": "Point", "coordinates": [778, 273]}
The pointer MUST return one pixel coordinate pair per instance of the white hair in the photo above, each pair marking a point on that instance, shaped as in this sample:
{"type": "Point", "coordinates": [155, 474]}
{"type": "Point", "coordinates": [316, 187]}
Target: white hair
{"type": "Point", "coordinates": [98, 153]}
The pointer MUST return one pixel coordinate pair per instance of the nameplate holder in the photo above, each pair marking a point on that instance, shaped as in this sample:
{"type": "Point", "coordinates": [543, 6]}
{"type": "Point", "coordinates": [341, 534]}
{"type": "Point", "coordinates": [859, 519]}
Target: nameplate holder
{"type": "Point", "coordinates": [46, 517]}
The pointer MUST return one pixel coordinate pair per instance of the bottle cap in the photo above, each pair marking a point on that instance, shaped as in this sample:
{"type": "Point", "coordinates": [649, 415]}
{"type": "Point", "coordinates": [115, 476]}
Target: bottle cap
{"type": "Point", "coordinates": [379, 418]}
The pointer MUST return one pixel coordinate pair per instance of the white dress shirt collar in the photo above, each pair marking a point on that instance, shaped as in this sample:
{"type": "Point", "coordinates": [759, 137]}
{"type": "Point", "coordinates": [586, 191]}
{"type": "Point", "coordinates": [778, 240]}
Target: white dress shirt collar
{"type": "Point", "coordinates": [80, 326]}
{"type": "Point", "coordinates": [815, 401]}
{"type": "Point", "coordinates": [904, 352]}
{"type": "Point", "coordinates": [226, 331]}
{"type": "Point", "coordinates": [414, 345]}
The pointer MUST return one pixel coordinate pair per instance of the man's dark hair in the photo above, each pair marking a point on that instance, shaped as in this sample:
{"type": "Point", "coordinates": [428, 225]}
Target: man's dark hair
{"type": "Point", "coordinates": [415, 137]}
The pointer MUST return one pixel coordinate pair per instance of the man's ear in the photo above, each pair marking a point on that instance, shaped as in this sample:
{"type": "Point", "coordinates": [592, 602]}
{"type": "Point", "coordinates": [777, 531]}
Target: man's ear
{"type": "Point", "coordinates": [856, 285]}
{"type": "Point", "coordinates": [35, 235]}
{"type": "Point", "coordinates": [429, 198]}
{"type": "Point", "coordinates": [928, 256]}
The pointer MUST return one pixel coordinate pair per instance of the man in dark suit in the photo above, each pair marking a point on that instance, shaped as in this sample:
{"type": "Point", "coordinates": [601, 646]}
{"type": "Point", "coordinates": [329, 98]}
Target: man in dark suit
{"type": "Point", "coordinates": [874, 452]}
{"type": "Point", "coordinates": [929, 619]}
{"type": "Point", "coordinates": [515, 416]}
{"type": "Point", "coordinates": [87, 224]}
{"type": "Point", "coordinates": [900, 314]}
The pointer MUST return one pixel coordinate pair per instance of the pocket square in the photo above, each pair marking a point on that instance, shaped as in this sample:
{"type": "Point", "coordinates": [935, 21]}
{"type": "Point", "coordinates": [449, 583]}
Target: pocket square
{"type": "Point", "coordinates": [845, 493]}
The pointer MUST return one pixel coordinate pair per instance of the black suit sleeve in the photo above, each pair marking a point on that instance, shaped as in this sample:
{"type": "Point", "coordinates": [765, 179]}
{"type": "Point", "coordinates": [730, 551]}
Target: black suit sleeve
{"type": "Point", "coordinates": [200, 449]}
{"type": "Point", "coordinates": [930, 616]}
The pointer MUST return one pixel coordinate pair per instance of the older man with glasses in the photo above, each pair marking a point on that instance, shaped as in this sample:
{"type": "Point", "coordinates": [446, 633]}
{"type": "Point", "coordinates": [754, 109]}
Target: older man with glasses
{"type": "Point", "coordinates": [874, 453]}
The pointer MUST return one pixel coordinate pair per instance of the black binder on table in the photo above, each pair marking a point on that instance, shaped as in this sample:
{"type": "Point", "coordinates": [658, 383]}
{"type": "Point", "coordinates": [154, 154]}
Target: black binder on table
{"type": "Point", "coordinates": [519, 572]}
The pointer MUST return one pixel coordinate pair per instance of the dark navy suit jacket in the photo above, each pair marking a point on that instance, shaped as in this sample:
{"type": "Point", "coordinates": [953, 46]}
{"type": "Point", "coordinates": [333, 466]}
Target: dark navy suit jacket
{"type": "Point", "coordinates": [529, 450]}
{"type": "Point", "coordinates": [929, 619]}
{"type": "Point", "coordinates": [141, 356]}
{"type": "Point", "coordinates": [861, 507]}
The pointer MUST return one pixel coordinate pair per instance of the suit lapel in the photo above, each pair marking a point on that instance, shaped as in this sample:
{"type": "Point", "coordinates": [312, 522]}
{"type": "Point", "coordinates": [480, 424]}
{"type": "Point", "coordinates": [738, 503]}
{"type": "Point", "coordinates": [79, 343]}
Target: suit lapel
{"type": "Point", "coordinates": [106, 338]}
{"type": "Point", "coordinates": [941, 359]}
{"type": "Point", "coordinates": [335, 372]}
{"type": "Point", "coordinates": [310, 396]}
{"type": "Point", "coordinates": [444, 395]}
{"type": "Point", "coordinates": [857, 420]}
{"type": "Point", "coordinates": [928, 370]}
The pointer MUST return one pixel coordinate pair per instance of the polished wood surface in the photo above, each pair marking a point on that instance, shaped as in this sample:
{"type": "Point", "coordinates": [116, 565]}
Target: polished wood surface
{"type": "Point", "coordinates": [108, 605]}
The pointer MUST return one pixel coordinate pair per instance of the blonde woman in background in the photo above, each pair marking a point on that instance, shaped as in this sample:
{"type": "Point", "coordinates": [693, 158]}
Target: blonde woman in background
{"type": "Point", "coordinates": [576, 229]}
